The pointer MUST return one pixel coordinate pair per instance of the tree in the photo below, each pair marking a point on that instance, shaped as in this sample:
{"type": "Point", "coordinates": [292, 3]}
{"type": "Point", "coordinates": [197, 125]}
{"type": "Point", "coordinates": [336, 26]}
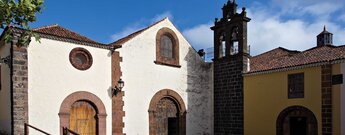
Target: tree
{"type": "Point", "coordinates": [19, 13]}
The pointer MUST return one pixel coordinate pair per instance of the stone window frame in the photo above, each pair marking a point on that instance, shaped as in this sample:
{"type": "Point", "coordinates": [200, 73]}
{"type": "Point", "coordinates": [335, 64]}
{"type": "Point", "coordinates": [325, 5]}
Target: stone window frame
{"type": "Point", "coordinates": [296, 85]}
{"type": "Point", "coordinates": [173, 62]}
{"type": "Point", "coordinates": [167, 93]}
{"type": "Point", "coordinates": [64, 113]}
{"type": "Point", "coordinates": [86, 53]}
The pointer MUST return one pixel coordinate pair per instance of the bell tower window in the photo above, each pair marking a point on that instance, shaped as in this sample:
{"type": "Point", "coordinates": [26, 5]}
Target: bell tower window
{"type": "Point", "coordinates": [234, 48]}
{"type": "Point", "coordinates": [234, 41]}
{"type": "Point", "coordinates": [222, 47]}
{"type": "Point", "coordinates": [230, 32]}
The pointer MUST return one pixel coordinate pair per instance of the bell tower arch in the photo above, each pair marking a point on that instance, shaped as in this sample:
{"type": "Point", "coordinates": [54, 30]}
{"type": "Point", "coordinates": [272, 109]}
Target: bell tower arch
{"type": "Point", "coordinates": [230, 32]}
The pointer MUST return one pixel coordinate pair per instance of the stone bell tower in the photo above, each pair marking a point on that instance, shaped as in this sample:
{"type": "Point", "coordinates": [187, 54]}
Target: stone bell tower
{"type": "Point", "coordinates": [231, 60]}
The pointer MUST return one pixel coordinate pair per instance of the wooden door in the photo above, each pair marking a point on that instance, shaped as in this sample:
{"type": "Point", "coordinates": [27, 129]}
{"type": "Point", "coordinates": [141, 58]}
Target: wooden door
{"type": "Point", "coordinates": [83, 118]}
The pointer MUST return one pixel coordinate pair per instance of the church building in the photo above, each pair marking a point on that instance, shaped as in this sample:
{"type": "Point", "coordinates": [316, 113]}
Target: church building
{"type": "Point", "coordinates": [153, 82]}
{"type": "Point", "coordinates": [150, 82]}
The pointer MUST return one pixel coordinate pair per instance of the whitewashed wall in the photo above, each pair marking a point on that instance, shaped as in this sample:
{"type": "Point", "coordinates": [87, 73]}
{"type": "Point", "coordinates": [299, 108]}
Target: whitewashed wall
{"type": "Point", "coordinates": [52, 78]}
{"type": "Point", "coordinates": [342, 101]}
{"type": "Point", "coordinates": [5, 95]}
{"type": "Point", "coordinates": [143, 78]}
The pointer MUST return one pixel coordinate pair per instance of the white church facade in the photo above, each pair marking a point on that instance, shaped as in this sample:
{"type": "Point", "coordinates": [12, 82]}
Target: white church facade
{"type": "Point", "coordinates": [67, 82]}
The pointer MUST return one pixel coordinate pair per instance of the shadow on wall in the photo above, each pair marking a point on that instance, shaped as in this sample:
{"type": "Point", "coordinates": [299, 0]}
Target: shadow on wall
{"type": "Point", "coordinates": [200, 95]}
{"type": "Point", "coordinates": [3, 133]}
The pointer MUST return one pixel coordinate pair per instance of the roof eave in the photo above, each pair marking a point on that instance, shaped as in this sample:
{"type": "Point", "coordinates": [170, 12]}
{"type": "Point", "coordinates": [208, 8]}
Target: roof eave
{"type": "Point", "coordinates": [294, 67]}
{"type": "Point", "coordinates": [129, 37]}
{"type": "Point", "coordinates": [58, 38]}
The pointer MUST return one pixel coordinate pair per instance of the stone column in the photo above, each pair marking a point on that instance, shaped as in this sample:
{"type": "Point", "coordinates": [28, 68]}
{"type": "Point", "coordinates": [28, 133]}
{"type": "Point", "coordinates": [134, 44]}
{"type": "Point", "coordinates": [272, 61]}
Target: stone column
{"type": "Point", "coordinates": [19, 89]}
{"type": "Point", "coordinates": [117, 100]}
{"type": "Point", "coordinates": [326, 92]}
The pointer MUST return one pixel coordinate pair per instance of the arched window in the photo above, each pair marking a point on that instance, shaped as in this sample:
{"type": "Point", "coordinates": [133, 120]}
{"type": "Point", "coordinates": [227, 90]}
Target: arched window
{"type": "Point", "coordinates": [167, 48]}
{"type": "Point", "coordinates": [234, 41]}
{"type": "Point", "coordinates": [222, 47]}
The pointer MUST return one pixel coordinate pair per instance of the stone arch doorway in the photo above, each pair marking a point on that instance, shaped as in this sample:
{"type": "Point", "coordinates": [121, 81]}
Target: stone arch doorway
{"type": "Point", "coordinates": [296, 120]}
{"type": "Point", "coordinates": [83, 111]}
{"type": "Point", "coordinates": [167, 114]}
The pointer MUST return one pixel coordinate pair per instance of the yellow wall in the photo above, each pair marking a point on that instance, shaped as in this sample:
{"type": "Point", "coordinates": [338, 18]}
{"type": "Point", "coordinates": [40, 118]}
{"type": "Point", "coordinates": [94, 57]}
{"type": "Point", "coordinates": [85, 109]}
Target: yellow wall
{"type": "Point", "coordinates": [266, 95]}
{"type": "Point", "coordinates": [336, 101]}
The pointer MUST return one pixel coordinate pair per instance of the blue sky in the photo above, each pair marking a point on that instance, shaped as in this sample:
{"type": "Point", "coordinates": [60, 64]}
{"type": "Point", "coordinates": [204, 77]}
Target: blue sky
{"type": "Point", "coordinates": [292, 24]}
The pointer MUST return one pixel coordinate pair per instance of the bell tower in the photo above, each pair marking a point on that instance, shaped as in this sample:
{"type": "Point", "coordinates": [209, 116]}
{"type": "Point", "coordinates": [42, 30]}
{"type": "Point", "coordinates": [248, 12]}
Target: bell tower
{"type": "Point", "coordinates": [231, 60]}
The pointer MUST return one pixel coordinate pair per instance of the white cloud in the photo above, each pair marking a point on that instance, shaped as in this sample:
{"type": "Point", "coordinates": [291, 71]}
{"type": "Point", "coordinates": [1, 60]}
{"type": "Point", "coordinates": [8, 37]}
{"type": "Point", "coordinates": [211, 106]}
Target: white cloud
{"type": "Point", "coordinates": [267, 31]}
{"type": "Point", "coordinates": [297, 8]}
{"type": "Point", "coordinates": [125, 32]}
{"type": "Point", "coordinates": [322, 9]}
{"type": "Point", "coordinates": [139, 25]}
{"type": "Point", "coordinates": [162, 16]}
{"type": "Point", "coordinates": [300, 4]}
{"type": "Point", "coordinates": [294, 34]}
{"type": "Point", "coordinates": [200, 36]}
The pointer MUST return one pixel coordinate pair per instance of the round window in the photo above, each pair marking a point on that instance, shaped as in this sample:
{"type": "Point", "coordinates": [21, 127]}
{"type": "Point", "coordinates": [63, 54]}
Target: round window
{"type": "Point", "coordinates": [80, 58]}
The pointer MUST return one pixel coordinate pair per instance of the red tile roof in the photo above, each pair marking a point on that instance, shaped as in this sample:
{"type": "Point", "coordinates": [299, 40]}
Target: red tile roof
{"type": "Point", "coordinates": [56, 30]}
{"type": "Point", "coordinates": [123, 40]}
{"type": "Point", "coordinates": [280, 58]}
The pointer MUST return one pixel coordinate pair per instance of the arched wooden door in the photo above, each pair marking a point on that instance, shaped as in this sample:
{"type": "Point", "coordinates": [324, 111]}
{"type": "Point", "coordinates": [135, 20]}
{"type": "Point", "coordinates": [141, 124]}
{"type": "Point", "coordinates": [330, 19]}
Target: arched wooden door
{"type": "Point", "coordinates": [85, 110]}
{"type": "Point", "coordinates": [83, 118]}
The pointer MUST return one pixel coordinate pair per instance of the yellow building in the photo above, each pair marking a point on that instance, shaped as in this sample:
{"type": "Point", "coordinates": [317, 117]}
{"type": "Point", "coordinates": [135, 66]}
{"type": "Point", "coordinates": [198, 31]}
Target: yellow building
{"type": "Point", "coordinates": [288, 92]}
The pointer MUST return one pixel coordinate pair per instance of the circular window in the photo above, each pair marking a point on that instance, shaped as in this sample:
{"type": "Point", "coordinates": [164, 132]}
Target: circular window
{"type": "Point", "coordinates": [80, 58]}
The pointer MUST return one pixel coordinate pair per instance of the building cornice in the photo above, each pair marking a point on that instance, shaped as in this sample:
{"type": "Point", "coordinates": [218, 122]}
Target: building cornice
{"type": "Point", "coordinates": [58, 38]}
{"type": "Point", "coordinates": [294, 67]}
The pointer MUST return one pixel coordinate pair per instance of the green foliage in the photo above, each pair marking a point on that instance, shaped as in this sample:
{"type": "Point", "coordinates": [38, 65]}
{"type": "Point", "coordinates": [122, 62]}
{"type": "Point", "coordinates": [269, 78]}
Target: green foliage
{"type": "Point", "coordinates": [19, 13]}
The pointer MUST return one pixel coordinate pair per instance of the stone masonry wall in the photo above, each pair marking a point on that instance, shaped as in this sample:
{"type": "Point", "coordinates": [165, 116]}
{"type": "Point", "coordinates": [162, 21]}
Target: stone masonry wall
{"type": "Point", "coordinates": [326, 91]}
{"type": "Point", "coordinates": [117, 100]}
{"type": "Point", "coordinates": [20, 89]}
{"type": "Point", "coordinates": [228, 95]}
{"type": "Point", "coordinates": [200, 86]}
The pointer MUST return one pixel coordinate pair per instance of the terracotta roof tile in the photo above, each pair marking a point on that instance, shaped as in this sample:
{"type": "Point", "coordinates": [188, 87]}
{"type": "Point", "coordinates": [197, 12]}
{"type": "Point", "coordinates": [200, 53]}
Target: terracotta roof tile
{"type": "Point", "coordinates": [282, 58]}
{"type": "Point", "coordinates": [59, 31]}
{"type": "Point", "coordinates": [123, 40]}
